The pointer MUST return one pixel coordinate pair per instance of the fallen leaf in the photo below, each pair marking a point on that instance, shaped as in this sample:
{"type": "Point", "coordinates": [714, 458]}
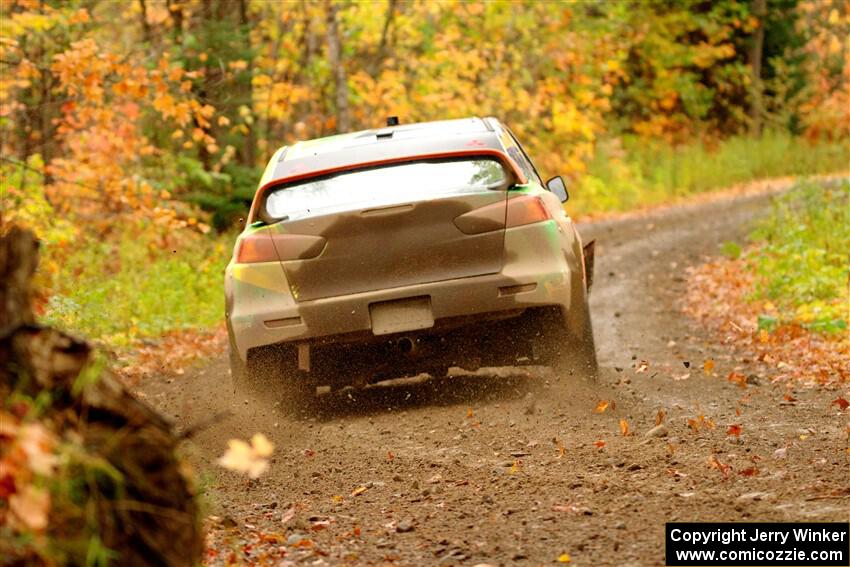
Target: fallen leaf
{"type": "Point", "coordinates": [642, 367]}
{"type": "Point", "coordinates": [737, 378]}
{"type": "Point", "coordinates": [734, 430]}
{"type": "Point", "coordinates": [789, 398]}
{"type": "Point", "coordinates": [564, 558]}
{"type": "Point", "coordinates": [288, 515]}
{"type": "Point", "coordinates": [337, 499]}
{"type": "Point", "coordinates": [599, 444]}
{"type": "Point", "coordinates": [249, 459]}
{"type": "Point", "coordinates": [562, 450]}
{"type": "Point", "coordinates": [601, 406]}
{"type": "Point", "coordinates": [714, 462]}
{"type": "Point", "coordinates": [359, 490]}
{"type": "Point", "coordinates": [469, 413]}
{"type": "Point", "coordinates": [752, 471]}
{"type": "Point", "coordinates": [624, 427]}
{"type": "Point", "coordinates": [390, 456]}
{"type": "Point", "coordinates": [708, 366]}
{"type": "Point", "coordinates": [841, 403]}
{"type": "Point", "coordinates": [659, 417]}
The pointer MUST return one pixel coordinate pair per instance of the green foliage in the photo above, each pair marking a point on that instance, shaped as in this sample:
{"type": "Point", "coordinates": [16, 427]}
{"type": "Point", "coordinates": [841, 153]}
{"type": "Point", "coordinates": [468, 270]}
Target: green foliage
{"type": "Point", "coordinates": [731, 249]}
{"type": "Point", "coordinates": [130, 287]}
{"type": "Point", "coordinates": [803, 263]}
{"type": "Point", "coordinates": [636, 172]}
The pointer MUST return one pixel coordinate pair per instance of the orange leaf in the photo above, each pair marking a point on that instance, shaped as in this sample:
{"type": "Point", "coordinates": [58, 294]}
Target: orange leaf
{"type": "Point", "coordinates": [752, 471]}
{"type": "Point", "coordinates": [708, 366]}
{"type": "Point", "coordinates": [601, 406]}
{"type": "Point", "coordinates": [737, 378]}
{"type": "Point", "coordinates": [659, 417]}
{"type": "Point", "coordinates": [599, 444]}
{"type": "Point", "coordinates": [624, 427]}
{"type": "Point", "coordinates": [734, 430]}
{"type": "Point", "coordinates": [714, 463]}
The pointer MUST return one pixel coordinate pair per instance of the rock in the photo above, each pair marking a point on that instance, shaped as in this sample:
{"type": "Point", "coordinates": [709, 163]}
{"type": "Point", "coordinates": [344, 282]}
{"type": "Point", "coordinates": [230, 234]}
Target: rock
{"type": "Point", "coordinates": [658, 431]}
{"type": "Point", "coordinates": [404, 526]}
{"type": "Point", "coordinates": [753, 496]}
{"type": "Point", "coordinates": [295, 539]}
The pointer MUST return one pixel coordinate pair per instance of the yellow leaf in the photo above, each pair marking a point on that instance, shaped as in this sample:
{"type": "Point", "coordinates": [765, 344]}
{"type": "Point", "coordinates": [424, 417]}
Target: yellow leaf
{"type": "Point", "coordinates": [337, 499]}
{"type": "Point", "coordinates": [358, 491]}
{"type": "Point", "coordinates": [564, 558]}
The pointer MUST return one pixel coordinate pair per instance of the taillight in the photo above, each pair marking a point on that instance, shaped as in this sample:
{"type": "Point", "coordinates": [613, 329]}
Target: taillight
{"type": "Point", "coordinates": [522, 209]}
{"type": "Point", "coordinates": [298, 246]}
{"type": "Point", "coordinates": [526, 209]}
{"type": "Point", "coordinates": [274, 247]}
{"type": "Point", "coordinates": [256, 248]}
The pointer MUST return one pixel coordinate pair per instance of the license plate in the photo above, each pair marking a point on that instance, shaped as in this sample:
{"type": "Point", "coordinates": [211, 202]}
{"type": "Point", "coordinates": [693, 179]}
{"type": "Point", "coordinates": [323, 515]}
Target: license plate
{"type": "Point", "coordinates": [401, 315]}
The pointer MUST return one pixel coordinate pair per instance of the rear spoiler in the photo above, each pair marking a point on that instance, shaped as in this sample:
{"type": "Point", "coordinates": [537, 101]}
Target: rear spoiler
{"type": "Point", "coordinates": [588, 262]}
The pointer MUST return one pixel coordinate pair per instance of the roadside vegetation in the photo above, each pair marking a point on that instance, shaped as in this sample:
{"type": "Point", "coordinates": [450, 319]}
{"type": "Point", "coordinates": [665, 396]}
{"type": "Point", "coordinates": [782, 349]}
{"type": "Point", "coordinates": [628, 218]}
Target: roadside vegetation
{"type": "Point", "coordinates": [785, 296]}
{"type": "Point", "coordinates": [802, 259]}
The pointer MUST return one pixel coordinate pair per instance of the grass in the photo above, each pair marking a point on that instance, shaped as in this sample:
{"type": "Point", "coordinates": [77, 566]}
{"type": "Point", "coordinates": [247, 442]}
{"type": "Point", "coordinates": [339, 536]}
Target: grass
{"type": "Point", "coordinates": [635, 172]}
{"type": "Point", "coordinates": [802, 260]}
{"type": "Point", "coordinates": [129, 288]}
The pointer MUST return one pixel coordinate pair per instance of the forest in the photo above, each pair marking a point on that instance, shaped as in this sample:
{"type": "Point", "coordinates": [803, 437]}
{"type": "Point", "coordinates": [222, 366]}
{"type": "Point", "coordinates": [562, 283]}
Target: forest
{"type": "Point", "coordinates": [133, 135]}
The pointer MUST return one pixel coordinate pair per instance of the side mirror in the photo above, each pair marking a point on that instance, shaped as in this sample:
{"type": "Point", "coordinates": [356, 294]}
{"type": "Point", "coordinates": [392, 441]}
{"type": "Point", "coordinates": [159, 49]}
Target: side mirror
{"type": "Point", "coordinates": [557, 186]}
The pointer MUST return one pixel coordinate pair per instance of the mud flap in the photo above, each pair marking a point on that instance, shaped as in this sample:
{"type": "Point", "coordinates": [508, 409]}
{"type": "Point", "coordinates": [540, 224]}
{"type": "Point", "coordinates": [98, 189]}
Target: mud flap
{"type": "Point", "coordinates": [588, 263]}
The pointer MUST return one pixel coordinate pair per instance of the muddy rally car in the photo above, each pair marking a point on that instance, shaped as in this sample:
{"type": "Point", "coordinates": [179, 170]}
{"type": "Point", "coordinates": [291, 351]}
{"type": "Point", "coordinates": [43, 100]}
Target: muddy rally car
{"type": "Point", "coordinates": [405, 250]}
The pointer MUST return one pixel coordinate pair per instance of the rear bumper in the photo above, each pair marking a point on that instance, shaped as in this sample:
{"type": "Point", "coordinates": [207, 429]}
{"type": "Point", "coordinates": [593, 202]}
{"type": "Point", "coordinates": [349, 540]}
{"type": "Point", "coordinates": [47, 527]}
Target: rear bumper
{"type": "Point", "coordinates": [536, 272]}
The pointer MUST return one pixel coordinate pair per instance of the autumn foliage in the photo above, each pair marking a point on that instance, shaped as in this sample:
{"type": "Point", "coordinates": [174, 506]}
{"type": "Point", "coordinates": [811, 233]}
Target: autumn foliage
{"type": "Point", "coordinates": [148, 121]}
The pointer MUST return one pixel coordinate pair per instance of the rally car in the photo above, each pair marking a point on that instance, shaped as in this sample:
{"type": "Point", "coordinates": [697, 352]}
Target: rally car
{"type": "Point", "coordinates": [404, 250]}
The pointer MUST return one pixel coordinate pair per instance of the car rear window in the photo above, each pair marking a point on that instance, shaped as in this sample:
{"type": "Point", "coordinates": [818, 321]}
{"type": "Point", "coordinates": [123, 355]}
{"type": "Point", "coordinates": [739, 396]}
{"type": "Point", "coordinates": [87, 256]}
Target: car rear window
{"type": "Point", "coordinates": [383, 186]}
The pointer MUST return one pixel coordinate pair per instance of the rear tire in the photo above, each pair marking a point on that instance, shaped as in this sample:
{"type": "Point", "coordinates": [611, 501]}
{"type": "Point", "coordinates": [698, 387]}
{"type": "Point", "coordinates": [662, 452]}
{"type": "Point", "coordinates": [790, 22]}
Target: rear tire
{"type": "Point", "coordinates": [268, 375]}
{"type": "Point", "coordinates": [568, 346]}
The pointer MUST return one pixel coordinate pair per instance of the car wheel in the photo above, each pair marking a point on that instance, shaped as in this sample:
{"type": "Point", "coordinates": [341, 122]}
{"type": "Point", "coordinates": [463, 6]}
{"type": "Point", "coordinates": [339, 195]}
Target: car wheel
{"type": "Point", "coordinates": [268, 375]}
{"type": "Point", "coordinates": [568, 346]}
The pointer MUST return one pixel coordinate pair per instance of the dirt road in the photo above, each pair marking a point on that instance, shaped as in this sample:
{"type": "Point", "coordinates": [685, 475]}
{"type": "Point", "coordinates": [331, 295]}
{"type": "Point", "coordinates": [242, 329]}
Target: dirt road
{"type": "Point", "coordinates": [519, 469]}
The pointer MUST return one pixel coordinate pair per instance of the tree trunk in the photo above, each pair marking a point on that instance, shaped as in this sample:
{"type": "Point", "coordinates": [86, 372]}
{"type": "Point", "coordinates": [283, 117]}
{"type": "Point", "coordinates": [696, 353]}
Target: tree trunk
{"type": "Point", "coordinates": [143, 17]}
{"type": "Point", "coordinates": [137, 501]}
{"type": "Point", "coordinates": [756, 50]}
{"type": "Point", "coordinates": [249, 144]}
{"type": "Point", "coordinates": [343, 121]}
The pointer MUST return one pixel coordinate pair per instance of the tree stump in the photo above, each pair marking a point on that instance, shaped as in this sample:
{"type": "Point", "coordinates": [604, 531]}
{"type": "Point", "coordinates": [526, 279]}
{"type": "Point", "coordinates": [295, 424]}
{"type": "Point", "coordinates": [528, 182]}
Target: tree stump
{"type": "Point", "coordinates": [125, 488]}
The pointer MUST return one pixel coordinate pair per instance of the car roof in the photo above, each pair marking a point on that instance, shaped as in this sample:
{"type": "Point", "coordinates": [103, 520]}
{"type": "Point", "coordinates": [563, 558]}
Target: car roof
{"type": "Point", "coordinates": [393, 143]}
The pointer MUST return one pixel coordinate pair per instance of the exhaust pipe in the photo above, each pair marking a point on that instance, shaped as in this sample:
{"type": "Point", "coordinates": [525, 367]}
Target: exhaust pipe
{"type": "Point", "coordinates": [407, 346]}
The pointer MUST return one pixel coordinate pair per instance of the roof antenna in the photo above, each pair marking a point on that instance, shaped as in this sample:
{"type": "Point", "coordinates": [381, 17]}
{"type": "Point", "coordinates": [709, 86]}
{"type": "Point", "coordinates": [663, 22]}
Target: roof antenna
{"type": "Point", "coordinates": [392, 121]}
